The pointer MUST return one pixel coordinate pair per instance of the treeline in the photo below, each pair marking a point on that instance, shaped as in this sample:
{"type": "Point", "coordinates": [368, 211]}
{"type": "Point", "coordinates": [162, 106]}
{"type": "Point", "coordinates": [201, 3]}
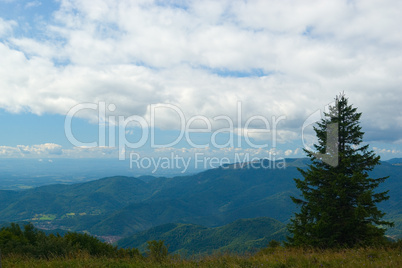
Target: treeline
{"type": "Point", "coordinates": [31, 242]}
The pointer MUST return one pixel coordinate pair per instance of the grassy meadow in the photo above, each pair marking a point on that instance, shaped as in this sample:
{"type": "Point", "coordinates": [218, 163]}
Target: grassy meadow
{"type": "Point", "coordinates": [268, 257]}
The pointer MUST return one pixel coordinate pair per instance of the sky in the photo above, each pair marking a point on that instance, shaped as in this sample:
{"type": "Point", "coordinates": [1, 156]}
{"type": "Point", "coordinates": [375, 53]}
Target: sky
{"type": "Point", "coordinates": [215, 78]}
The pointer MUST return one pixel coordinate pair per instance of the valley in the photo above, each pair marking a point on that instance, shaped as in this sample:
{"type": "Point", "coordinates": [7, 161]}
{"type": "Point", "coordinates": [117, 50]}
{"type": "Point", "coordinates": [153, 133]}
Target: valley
{"type": "Point", "coordinates": [118, 207]}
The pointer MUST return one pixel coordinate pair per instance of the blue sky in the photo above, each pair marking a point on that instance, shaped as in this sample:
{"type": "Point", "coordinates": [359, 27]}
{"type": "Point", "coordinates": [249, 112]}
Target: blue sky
{"type": "Point", "coordinates": [205, 58]}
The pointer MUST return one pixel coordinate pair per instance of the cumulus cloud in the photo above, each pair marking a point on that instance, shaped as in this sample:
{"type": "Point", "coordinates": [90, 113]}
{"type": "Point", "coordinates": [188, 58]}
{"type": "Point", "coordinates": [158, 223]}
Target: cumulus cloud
{"type": "Point", "coordinates": [47, 148]}
{"type": "Point", "coordinates": [38, 150]}
{"type": "Point", "coordinates": [51, 150]}
{"type": "Point", "coordinates": [275, 57]}
{"type": "Point", "coordinates": [9, 151]}
{"type": "Point", "coordinates": [386, 151]}
{"type": "Point", "coordinates": [6, 27]}
{"type": "Point", "coordinates": [288, 152]}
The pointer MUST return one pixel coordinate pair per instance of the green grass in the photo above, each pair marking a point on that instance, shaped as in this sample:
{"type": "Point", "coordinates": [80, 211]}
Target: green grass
{"type": "Point", "coordinates": [269, 257]}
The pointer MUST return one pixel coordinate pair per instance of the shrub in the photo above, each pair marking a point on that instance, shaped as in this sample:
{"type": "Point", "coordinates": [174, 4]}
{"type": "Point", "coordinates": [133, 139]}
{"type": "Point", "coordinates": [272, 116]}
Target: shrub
{"type": "Point", "coordinates": [157, 251]}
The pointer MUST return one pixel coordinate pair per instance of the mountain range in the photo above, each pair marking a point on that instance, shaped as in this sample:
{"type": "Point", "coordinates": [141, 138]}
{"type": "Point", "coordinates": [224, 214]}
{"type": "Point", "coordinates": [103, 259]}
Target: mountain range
{"type": "Point", "coordinates": [25, 173]}
{"type": "Point", "coordinates": [122, 206]}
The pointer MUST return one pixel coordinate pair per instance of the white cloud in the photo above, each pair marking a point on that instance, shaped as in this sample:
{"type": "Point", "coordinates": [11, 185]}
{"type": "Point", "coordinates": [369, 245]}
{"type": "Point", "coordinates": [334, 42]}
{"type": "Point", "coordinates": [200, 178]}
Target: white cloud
{"type": "Point", "coordinates": [6, 27]}
{"type": "Point", "coordinates": [38, 150]}
{"type": "Point", "coordinates": [288, 152]}
{"type": "Point", "coordinates": [384, 151]}
{"type": "Point", "coordinates": [47, 149]}
{"type": "Point", "coordinates": [51, 150]}
{"type": "Point", "coordinates": [8, 151]}
{"type": "Point", "coordinates": [134, 54]}
{"type": "Point", "coordinates": [33, 4]}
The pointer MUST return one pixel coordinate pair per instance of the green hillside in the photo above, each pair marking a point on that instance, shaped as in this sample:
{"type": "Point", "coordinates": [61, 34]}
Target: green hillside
{"type": "Point", "coordinates": [189, 239]}
{"type": "Point", "coordinates": [121, 206]}
{"type": "Point", "coordinates": [95, 197]}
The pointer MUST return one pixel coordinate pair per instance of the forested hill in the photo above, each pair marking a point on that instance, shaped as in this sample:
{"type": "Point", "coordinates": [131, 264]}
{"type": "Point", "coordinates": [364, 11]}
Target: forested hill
{"type": "Point", "coordinates": [121, 206]}
{"type": "Point", "coordinates": [245, 235]}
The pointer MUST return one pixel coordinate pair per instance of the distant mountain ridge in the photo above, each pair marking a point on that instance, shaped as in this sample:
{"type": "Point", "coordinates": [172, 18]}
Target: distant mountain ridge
{"type": "Point", "coordinates": [121, 206]}
{"type": "Point", "coordinates": [25, 173]}
{"type": "Point", "coordinates": [395, 161]}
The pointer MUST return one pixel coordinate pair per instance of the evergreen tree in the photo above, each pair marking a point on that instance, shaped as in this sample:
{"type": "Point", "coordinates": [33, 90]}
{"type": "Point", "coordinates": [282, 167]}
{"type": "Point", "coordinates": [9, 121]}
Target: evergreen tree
{"type": "Point", "coordinates": [338, 198]}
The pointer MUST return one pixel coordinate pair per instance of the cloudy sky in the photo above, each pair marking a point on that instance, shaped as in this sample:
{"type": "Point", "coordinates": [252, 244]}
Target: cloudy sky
{"type": "Point", "coordinates": [86, 78]}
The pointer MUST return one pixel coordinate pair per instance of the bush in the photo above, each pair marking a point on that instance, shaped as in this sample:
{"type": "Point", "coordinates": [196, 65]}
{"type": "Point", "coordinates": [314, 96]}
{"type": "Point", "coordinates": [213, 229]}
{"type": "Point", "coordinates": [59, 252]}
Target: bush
{"type": "Point", "coordinates": [32, 242]}
{"type": "Point", "coordinates": [157, 251]}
